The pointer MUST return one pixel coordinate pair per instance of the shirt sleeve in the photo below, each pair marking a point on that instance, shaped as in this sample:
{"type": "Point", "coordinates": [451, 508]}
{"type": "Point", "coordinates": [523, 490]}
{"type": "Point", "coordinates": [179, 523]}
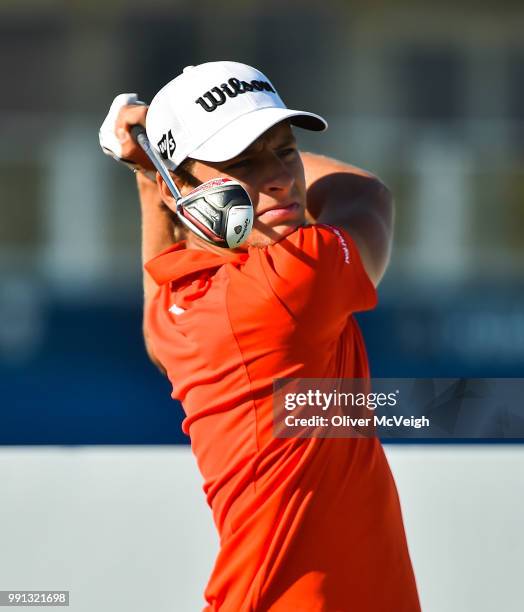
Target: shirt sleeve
{"type": "Point", "coordinates": [318, 276]}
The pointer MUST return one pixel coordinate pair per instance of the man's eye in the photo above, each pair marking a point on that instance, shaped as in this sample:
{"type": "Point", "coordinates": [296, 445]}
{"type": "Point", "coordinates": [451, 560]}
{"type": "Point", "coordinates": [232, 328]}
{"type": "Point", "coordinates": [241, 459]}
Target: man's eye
{"type": "Point", "coordinates": [289, 152]}
{"type": "Point", "coordinates": [242, 163]}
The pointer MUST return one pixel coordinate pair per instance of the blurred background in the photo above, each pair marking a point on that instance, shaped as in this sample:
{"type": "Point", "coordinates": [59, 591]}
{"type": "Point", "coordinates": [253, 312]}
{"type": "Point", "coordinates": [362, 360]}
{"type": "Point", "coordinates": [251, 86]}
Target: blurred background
{"type": "Point", "coordinates": [430, 99]}
{"type": "Point", "coordinates": [428, 96]}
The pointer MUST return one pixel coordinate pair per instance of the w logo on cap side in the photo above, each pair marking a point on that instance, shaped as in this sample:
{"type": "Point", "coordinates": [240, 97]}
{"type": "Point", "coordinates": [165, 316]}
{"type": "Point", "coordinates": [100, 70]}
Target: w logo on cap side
{"type": "Point", "coordinates": [167, 145]}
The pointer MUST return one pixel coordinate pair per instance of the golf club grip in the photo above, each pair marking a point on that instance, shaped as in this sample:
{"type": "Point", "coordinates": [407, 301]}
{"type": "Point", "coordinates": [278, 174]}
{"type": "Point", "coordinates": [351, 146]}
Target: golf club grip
{"type": "Point", "coordinates": [136, 132]}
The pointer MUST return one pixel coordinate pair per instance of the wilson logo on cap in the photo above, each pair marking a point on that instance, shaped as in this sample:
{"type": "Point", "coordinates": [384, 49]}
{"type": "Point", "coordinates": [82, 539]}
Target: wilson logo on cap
{"type": "Point", "coordinates": [217, 95]}
{"type": "Point", "coordinates": [167, 145]}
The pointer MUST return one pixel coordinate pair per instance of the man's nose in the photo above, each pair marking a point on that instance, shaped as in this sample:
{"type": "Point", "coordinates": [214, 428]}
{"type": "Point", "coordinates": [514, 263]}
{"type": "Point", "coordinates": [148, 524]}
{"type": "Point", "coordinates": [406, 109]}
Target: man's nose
{"type": "Point", "coordinates": [277, 177]}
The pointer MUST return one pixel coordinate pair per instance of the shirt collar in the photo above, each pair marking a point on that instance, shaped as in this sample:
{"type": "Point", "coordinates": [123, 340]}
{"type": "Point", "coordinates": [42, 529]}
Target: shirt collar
{"type": "Point", "coordinates": [178, 261]}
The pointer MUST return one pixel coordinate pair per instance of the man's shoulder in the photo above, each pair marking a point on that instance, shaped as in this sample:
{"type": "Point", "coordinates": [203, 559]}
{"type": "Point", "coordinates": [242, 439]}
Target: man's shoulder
{"type": "Point", "coordinates": [317, 240]}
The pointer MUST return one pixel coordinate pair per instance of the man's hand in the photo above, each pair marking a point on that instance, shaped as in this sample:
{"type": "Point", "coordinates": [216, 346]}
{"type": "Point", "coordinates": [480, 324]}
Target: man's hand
{"type": "Point", "coordinates": [115, 138]}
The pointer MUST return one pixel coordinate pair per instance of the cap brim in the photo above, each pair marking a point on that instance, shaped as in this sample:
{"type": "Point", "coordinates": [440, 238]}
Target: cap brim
{"type": "Point", "coordinates": [233, 138]}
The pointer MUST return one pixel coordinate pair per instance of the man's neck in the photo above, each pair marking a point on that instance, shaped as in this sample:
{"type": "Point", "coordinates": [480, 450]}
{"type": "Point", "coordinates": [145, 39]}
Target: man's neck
{"type": "Point", "coordinates": [195, 242]}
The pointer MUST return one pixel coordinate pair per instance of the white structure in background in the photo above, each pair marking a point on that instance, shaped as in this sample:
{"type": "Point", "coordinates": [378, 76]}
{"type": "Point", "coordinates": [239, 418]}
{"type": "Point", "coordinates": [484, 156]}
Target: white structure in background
{"type": "Point", "coordinates": [128, 529]}
{"type": "Point", "coordinates": [78, 249]}
{"type": "Point", "coordinates": [441, 208]}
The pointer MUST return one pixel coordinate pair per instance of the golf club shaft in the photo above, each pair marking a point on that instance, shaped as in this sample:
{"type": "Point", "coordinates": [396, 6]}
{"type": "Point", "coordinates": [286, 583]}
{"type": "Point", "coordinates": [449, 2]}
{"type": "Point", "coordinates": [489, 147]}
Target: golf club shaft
{"type": "Point", "coordinates": [138, 133]}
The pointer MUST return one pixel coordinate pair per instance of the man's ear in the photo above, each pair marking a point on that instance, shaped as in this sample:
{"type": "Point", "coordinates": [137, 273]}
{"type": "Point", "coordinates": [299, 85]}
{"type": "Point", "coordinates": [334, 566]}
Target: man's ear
{"type": "Point", "coordinates": [165, 193]}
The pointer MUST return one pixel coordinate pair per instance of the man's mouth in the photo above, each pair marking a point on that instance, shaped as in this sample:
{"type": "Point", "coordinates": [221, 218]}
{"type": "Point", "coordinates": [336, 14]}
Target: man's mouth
{"type": "Point", "coordinates": [280, 210]}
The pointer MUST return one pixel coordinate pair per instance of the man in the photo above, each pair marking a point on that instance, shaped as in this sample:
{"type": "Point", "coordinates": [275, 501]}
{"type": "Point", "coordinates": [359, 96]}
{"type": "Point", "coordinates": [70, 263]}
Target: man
{"type": "Point", "coordinates": [304, 524]}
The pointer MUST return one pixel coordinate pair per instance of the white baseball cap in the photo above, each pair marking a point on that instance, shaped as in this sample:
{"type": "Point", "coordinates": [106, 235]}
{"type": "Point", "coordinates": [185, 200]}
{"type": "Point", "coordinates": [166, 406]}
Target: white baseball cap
{"type": "Point", "coordinates": [213, 111]}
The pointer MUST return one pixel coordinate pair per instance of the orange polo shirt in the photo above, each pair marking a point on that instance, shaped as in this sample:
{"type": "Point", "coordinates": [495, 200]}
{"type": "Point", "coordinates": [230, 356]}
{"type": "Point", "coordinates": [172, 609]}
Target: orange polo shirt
{"type": "Point", "coordinates": [304, 524]}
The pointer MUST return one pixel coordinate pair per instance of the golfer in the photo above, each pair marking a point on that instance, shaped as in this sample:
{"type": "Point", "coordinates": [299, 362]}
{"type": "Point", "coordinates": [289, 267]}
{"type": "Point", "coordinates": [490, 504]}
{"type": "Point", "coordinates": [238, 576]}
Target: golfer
{"type": "Point", "coordinates": [305, 524]}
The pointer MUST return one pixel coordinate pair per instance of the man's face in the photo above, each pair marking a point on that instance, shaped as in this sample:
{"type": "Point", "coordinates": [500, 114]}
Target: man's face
{"type": "Point", "coordinates": [271, 171]}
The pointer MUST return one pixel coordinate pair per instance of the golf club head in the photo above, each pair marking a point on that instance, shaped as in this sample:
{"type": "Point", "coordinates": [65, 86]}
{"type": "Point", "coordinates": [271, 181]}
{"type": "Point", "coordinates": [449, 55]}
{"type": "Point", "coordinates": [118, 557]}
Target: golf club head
{"type": "Point", "coordinates": [220, 211]}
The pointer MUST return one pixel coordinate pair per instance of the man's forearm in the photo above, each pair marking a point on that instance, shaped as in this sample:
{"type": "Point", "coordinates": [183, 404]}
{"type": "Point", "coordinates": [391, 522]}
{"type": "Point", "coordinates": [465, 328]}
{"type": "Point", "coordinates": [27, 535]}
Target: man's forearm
{"type": "Point", "coordinates": [157, 227]}
{"type": "Point", "coordinates": [343, 195]}
{"type": "Point", "coordinates": [157, 235]}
